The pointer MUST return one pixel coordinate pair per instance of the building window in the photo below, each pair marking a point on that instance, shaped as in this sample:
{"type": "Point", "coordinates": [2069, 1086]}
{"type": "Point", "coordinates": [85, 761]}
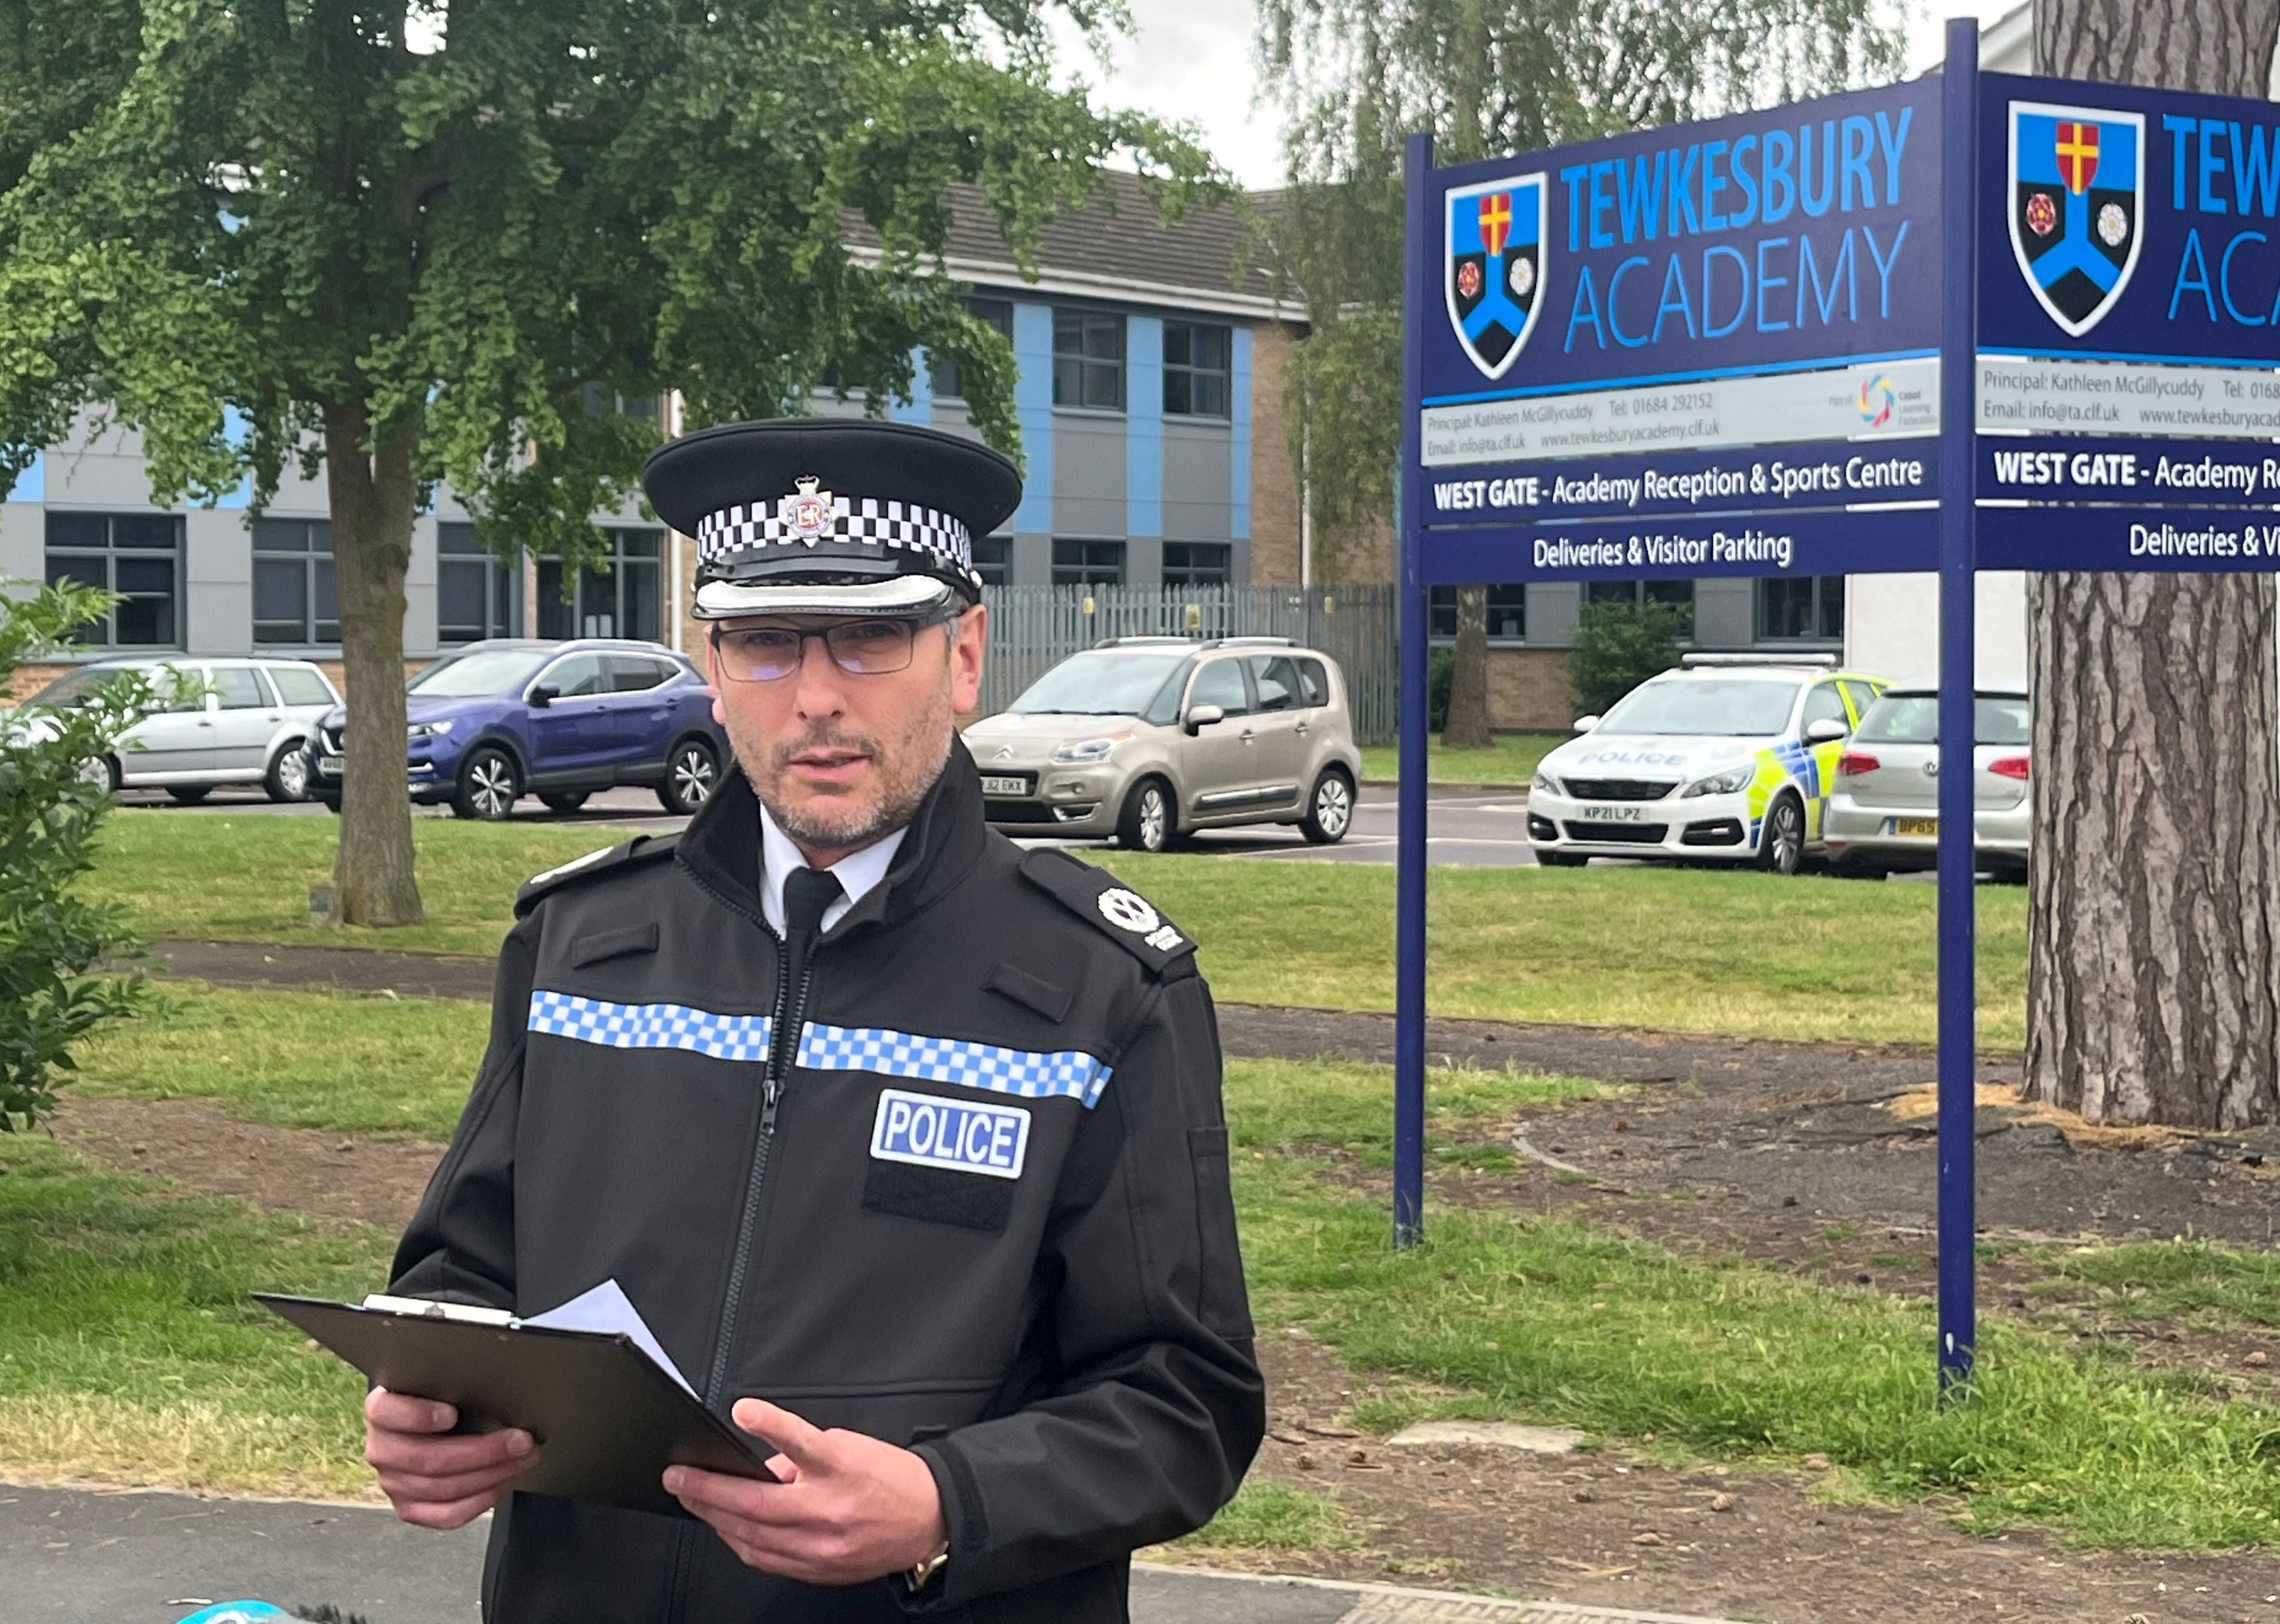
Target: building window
{"type": "Point", "coordinates": [1801, 609]}
{"type": "Point", "coordinates": [1507, 613]}
{"type": "Point", "coordinates": [1196, 369]}
{"type": "Point", "coordinates": [476, 596]}
{"type": "Point", "coordinates": [137, 556]}
{"type": "Point", "coordinates": [1678, 594]}
{"type": "Point", "coordinates": [998, 313]}
{"type": "Point", "coordinates": [1088, 360]}
{"type": "Point", "coordinates": [598, 400]}
{"type": "Point", "coordinates": [295, 601]}
{"type": "Point", "coordinates": [1088, 564]}
{"type": "Point", "coordinates": [1197, 564]}
{"type": "Point", "coordinates": [618, 598]}
{"type": "Point", "coordinates": [993, 560]}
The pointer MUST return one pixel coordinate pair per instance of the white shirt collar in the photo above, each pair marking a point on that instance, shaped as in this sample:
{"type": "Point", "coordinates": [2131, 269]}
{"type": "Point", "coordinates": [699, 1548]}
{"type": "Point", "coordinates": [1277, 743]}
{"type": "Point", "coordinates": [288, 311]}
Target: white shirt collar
{"type": "Point", "coordinates": [858, 873]}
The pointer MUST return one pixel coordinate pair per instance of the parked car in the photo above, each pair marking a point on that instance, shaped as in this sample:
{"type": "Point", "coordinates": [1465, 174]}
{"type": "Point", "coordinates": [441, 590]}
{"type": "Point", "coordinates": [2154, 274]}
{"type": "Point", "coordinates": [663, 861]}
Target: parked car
{"type": "Point", "coordinates": [1883, 813]}
{"type": "Point", "coordinates": [496, 720]}
{"type": "Point", "coordinates": [1729, 758]}
{"type": "Point", "coordinates": [1149, 739]}
{"type": "Point", "coordinates": [242, 721]}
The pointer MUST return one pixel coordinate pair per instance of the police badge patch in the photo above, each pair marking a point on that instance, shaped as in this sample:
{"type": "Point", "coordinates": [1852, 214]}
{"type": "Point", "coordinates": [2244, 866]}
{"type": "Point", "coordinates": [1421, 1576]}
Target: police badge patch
{"type": "Point", "coordinates": [810, 514]}
{"type": "Point", "coordinates": [2077, 206]}
{"type": "Point", "coordinates": [1494, 277]}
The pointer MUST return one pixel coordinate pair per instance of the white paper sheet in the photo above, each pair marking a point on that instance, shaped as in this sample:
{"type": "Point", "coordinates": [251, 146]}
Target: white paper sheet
{"type": "Point", "coordinates": [608, 1308]}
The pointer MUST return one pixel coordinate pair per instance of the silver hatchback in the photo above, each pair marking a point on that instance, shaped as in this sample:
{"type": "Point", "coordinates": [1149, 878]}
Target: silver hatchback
{"type": "Point", "coordinates": [1884, 810]}
{"type": "Point", "coordinates": [246, 724]}
{"type": "Point", "coordinates": [1148, 739]}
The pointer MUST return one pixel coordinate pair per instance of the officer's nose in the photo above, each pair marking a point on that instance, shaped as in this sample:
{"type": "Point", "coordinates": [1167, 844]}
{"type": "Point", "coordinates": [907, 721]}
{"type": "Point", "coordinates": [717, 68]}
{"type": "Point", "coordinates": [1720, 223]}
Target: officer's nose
{"type": "Point", "coordinates": [822, 689]}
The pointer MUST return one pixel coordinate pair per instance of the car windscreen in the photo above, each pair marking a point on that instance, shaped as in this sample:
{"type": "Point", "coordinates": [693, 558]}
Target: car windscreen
{"type": "Point", "coordinates": [1728, 706]}
{"type": "Point", "coordinates": [476, 676]}
{"type": "Point", "coordinates": [1105, 683]}
{"type": "Point", "coordinates": [2000, 720]}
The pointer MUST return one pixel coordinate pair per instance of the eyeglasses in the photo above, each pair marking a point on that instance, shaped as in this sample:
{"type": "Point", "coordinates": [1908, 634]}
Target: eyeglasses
{"type": "Point", "coordinates": [876, 648]}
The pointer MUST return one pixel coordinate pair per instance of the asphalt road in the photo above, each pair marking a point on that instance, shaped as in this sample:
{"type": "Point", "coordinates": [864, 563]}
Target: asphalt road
{"type": "Point", "coordinates": [75, 1556]}
{"type": "Point", "coordinates": [1467, 827]}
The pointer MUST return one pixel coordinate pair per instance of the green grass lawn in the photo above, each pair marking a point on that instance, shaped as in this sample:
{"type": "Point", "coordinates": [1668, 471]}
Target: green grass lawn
{"type": "Point", "coordinates": [1698, 949]}
{"type": "Point", "coordinates": [1511, 759]}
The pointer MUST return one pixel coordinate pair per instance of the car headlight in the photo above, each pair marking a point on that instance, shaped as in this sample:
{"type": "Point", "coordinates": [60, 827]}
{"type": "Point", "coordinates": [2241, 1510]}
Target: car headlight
{"type": "Point", "coordinates": [1086, 752]}
{"type": "Point", "coordinates": [427, 731]}
{"type": "Point", "coordinates": [1542, 784]}
{"type": "Point", "coordinates": [1727, 782]}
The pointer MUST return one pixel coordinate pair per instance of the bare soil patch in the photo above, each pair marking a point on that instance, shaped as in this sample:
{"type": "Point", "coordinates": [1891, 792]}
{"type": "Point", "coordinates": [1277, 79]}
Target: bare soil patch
{"type": "Point", "coordinates": [1608, 1528]}
{"type": "Point", "coordinates": [203, 1149]}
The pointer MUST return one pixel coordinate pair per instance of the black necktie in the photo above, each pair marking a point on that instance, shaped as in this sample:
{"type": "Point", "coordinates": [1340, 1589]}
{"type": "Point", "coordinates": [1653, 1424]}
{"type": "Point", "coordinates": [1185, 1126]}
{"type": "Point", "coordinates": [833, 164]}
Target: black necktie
{"type": "Point", "coordinates": [808, 894]}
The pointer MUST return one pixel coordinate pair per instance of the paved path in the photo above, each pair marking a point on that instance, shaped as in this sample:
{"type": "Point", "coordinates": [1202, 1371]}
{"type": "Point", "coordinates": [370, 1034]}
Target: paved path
{"type": "Point", "coordinates": [1468, 828]}
{"type": "Point", "coordinates": [1253, 1030]}
{"type": "Point", "coordinates": [74, 1556]}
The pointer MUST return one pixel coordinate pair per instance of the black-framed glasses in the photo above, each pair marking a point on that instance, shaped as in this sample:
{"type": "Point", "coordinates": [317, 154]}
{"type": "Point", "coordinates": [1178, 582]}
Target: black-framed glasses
{"type": "Point", "coordinates": [877, 647]}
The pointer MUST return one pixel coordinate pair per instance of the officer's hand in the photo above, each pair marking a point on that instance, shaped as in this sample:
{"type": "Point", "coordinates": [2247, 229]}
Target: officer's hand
{"type": "Point", "coordinates": [439, 1481]}
{"type": "Point", "coordinates": [850, 1508]}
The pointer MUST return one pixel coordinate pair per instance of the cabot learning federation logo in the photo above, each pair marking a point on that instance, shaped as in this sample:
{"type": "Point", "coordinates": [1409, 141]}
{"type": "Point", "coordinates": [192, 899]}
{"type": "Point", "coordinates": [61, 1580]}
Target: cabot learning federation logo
{"type": "Point", "coordinates": [1496, 237]}
{"type": "Point", "coordinates": [2077, 203]}
{"type": "Point", "coordinates": [1876, 400]}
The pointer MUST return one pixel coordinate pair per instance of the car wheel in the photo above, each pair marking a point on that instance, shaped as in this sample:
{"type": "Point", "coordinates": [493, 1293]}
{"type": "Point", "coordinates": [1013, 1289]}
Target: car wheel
{"type": "Point", "coordinates": [1560, 859]}
{"type": "Point", "coordinates": [1781, 843]}
{"type": "Point", "coordinates": [102, 773]}
{"type": "Point", "coordinates": [331, 804]}
{"type": "Point", "coordinates": [289, 775]}
{"type": "Point", "coordinates": [1330, 810]}
{"type": "Point", "coordinates": [692, 772]}
{"type": "Point", "coordinates": [188, 795]}
{"type": "Point", "coordinates": [563, 801]}
{"type": "Point", "coordinates": [1146, 822]}
{"type": "Point", "coordinates": [489, 787]}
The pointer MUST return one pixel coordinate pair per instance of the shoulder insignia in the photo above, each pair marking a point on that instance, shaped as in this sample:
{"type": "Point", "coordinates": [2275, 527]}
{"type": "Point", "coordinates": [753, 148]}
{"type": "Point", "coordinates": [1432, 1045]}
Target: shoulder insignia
{"type": "Point", "coordinates": [1101, 900]}
{"type": "Point", "coordinates": [640, 849]}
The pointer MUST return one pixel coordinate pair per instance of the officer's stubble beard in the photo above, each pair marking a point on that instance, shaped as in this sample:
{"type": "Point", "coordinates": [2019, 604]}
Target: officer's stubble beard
{"type": "Point", "coordinates": [905, 768]}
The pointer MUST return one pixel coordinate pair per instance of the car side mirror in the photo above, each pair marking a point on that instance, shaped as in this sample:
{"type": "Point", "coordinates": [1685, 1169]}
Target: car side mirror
{"type": "Point", "coordinates": [1202, 716]}
{"type": "Point", "coordinates": [544, 694]}
{"type": "Point", "coordinates": [1584, 724]}
{"type": "Point", "coordinates": [1828, 730]}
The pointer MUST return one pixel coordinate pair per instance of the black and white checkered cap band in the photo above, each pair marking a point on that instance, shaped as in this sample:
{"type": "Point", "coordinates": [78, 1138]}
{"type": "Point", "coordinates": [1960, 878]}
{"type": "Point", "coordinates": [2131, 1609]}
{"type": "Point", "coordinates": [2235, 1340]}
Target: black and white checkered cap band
{"type": "Point", "coordinates": [868, 519]}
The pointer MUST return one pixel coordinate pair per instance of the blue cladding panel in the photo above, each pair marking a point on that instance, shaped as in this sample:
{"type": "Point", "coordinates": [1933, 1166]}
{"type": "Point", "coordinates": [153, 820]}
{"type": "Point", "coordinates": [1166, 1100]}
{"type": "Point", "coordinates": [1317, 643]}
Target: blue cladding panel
{"type": "Point", "coordinates": [1144, 409]}
{"type": "Point", "coordinates": [1238, 494]}
{"type": "Point", "coordinates": [1032, 406]}
{"type": "Point", "coordinates": [920, 408]}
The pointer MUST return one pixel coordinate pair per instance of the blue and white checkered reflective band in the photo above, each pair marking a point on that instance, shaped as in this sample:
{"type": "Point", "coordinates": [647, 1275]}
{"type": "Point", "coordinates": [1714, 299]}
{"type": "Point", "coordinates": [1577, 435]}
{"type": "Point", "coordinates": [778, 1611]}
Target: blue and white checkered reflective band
{"type": "Point", "coordinates": [650, 1026]}
{"type": "Point", "coordinates": [1068, 1073]}
{"type": "Point", "coordinates": [867, 519]}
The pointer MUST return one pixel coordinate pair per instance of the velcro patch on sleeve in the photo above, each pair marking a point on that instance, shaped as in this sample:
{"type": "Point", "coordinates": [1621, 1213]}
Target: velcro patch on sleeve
{"type": "Point", "coordinates": [1099, 899]}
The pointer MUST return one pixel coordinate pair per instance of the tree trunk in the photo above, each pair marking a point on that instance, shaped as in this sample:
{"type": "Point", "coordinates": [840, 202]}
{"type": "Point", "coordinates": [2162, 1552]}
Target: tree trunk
{"type": "Point", "coordinates": [1467, 726]}
{"type": "Point", "coordinates": [2155, 903]}
{"type": "Point", "coordinates": [374, 495]}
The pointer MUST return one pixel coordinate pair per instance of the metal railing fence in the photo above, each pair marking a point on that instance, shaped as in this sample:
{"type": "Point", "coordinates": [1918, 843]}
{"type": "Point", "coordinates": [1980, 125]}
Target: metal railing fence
{"type": "Point", "coordinates": [1034, 629]}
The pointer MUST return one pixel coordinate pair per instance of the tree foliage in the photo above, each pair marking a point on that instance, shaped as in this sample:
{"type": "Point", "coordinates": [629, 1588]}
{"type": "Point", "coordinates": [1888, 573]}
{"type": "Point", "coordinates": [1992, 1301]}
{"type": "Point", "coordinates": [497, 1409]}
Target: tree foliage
{"type": "Point", "coordinates": [50, 811]}
{"type": "Point", "coordinates": [1619, 643]}
{"type": "Point", "coordinates": [1484, 76]}
{"type": "Point", "coordinates": [423, 240]}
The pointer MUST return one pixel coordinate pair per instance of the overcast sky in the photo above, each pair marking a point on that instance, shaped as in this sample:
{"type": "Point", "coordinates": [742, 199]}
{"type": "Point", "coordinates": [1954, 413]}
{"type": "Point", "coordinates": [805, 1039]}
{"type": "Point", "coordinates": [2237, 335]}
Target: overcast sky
{"type": "Point", "coordinates": [1191, 60]}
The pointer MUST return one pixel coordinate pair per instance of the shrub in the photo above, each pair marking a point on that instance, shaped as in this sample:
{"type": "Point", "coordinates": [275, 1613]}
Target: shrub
{"type": "Point", "coordinates": [50, 939]}
{"type": "Point", "coordinates": [1620, 644]}
{"type": "Point", "coordinates": [1441, 676]}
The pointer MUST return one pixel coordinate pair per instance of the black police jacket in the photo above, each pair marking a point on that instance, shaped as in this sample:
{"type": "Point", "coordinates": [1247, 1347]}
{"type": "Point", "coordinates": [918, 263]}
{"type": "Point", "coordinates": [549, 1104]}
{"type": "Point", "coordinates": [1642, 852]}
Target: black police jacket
{"type": "Point", "coordinates": [988, 1216]}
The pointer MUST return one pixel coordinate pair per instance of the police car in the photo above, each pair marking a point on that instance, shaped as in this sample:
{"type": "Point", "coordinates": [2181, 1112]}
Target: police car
{"type": "Point", "coordinates": [1730, 758]}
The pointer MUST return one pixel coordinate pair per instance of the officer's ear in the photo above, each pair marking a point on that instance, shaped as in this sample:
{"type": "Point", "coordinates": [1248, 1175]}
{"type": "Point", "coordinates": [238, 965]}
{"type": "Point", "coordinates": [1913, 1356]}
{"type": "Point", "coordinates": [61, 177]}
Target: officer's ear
{"type": "Point", "coordinates": [970, 637]}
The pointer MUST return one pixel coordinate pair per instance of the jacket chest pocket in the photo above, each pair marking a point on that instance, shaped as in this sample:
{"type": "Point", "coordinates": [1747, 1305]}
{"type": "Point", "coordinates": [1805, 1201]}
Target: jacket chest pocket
{"type": "Point", "coordinates": [946, 1161]}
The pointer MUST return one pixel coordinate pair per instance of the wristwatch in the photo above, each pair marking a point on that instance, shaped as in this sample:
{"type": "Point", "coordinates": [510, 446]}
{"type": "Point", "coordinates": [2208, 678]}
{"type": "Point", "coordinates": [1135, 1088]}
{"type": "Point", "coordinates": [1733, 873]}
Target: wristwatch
{"type": "Point", "coordinates": [921, 1573]}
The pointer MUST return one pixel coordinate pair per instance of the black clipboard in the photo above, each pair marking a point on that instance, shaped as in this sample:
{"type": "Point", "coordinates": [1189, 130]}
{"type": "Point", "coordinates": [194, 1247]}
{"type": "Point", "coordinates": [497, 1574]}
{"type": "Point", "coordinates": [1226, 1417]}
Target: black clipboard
{"type": "Point", "coordinates": [608, 1420]}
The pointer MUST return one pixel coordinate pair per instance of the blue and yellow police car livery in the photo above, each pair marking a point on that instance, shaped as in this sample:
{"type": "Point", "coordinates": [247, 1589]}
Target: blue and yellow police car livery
{"type": "Point", "coordinates": [1729, 757]}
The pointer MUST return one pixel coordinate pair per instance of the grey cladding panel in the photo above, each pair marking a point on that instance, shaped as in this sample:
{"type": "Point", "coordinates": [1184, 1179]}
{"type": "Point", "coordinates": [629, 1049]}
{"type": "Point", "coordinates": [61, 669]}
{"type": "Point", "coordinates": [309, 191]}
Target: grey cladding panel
{"type": "Point", "coordinates": [1088, 474]}
{"type": "Point", "coordinates": [1198, 471]}
{"type": "Point", "coordinates": [1725, 612]}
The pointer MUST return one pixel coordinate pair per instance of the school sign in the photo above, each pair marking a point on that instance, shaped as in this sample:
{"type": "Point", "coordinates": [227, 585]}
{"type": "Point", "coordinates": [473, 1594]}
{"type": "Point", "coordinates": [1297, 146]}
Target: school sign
{"type": "Point", "coordinates": [1970, 321]}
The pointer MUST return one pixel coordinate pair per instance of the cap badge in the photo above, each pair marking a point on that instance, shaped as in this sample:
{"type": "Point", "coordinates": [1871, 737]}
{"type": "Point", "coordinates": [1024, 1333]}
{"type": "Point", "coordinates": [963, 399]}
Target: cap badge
{"type": "Point", "coordinates": [808, 513]}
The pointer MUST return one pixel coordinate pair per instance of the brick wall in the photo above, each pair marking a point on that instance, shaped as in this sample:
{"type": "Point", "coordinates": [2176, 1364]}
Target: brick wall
{"type": "Point", "coordinates": [1275, 542]}
{"type": "Point", "coordinates": [1527, 691]}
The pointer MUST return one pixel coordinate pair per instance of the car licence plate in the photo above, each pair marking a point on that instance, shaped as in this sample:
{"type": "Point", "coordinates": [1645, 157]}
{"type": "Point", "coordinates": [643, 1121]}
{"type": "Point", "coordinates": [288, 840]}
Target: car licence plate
{"type": "Point", "coordinates": [332, 767]}
{"type": "Point", "coordinates": [1615, 814]}
{"type": "Point", "coordinates": [1928, 827]}
{"type": "Point", "coordinates": [1005, 786]}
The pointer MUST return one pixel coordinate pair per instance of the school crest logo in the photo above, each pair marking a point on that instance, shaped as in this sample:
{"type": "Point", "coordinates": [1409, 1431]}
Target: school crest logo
{"type": "Point", "coordinates": [2078, 207]}
{"type": "Point", "coordinates": [1494, 278]}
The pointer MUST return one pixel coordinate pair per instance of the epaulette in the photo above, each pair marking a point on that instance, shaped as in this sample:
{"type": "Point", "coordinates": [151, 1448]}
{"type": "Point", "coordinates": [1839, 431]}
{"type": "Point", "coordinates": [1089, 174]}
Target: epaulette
{"type": "Point", "coordinates": [1098, 897]}
{"type": "Point", "coordinates": [640, 849]}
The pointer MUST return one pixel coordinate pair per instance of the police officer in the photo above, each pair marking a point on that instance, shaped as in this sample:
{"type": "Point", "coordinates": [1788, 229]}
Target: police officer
{"type": "Point", "coordinates": [907, 1144]}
